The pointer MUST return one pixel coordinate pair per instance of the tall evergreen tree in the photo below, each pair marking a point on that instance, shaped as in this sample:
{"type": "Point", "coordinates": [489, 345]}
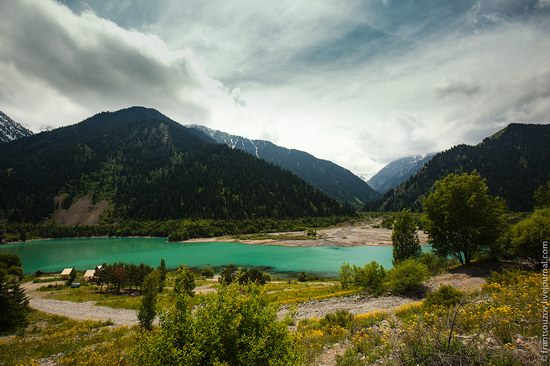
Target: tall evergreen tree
{"type": "Point", "coordinates": [147, 310]}
{"type": "Point", "coordinates": [14, 304]}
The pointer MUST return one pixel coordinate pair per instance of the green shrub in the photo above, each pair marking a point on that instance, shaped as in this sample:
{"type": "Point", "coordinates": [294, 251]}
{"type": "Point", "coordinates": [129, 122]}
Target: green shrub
{"type": "Point", "coordinates": [207, 272]}
{"type": "Point", "coordinates": [444, 296]}
{"type": "Point", "coordinates": [346, 276]}
{"type": "Point", "coordinates": [407, 278]}
{"type": "Point", "coordinates": [436, 264]}
{"type": "Point", "coordinates": [235, 326]}
{"type": "Point", "coordinates": [342, 318]}
{"type": "Point", "coordinates": [185, 281]}
{"type": "Point", "coordinates": [252, 275]}
{"type": "Point", "coordinates": [228, 275]}
{"type": "Point", "coordinates": [370, 277]}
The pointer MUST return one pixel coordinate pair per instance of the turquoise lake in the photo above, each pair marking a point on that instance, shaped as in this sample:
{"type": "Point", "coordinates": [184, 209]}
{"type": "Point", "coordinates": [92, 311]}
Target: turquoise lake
{"type": "Point", "coordinates": [86, 253]}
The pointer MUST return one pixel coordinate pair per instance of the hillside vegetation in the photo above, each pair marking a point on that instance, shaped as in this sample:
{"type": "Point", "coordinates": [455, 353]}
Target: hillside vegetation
{"type": "Point", "coordinates": [148, 167]}
{"type": "Point", "coordinates": [515, 161]}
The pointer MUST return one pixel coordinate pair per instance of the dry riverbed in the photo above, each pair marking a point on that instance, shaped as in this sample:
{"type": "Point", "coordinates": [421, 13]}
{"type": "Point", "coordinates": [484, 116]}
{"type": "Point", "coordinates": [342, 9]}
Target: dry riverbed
{"type": "Point", "coordinates": [345, 236]}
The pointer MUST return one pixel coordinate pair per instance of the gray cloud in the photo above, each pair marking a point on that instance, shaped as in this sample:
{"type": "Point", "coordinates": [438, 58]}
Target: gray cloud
{"type": "Point", "coordinates": [450, 87]}
{"type": "Point", "coordinates": [90, 64]}
{"type": "Point", "coordinates": [357, 82]}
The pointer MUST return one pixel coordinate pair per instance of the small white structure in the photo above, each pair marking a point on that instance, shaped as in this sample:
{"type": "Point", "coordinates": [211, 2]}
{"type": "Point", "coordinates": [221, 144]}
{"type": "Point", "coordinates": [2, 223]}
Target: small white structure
{"type": "Point", "coordinates": [89, 275]}
{"type": "Point", "coordinates": [66, 273]}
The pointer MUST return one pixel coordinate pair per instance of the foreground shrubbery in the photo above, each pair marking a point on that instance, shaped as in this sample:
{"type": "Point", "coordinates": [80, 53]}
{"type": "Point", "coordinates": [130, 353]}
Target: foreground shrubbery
{"type": "Point", "coordinates": [499, 326]}
{"type": "Point", "coordinates": [236, 326]}
{"type": "Point", "coordinates": [406, 278]}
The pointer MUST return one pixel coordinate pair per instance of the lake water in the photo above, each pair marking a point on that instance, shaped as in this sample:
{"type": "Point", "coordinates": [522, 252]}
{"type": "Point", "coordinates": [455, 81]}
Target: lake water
{"type": "Point", "coordinates": [86, 253]}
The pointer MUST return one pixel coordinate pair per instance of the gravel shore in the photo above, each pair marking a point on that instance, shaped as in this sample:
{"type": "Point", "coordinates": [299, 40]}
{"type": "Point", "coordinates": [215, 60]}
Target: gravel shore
{"type": "Point", "coordinates": [84, 311]}
{"type": "Point", "coordinates": [356, 304]}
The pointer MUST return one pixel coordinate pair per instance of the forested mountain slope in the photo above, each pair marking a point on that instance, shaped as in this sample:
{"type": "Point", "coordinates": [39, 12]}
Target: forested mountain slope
{"type": "Point", "coordinates": [398, 171]}
{"type": "Point", "coordinates": [515, 161]}
{"type": "Point", "coordinates": [332, 179]}
{"type": "Point", "coordinates": [147, 167]}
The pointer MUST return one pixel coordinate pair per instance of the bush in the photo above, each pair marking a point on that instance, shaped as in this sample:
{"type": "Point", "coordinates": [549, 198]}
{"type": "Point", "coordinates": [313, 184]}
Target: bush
{"type": "Point", "coordinates": [253, 275]}
{"type": "Point", "coordinates": [228, 275]}
{"type": "Point", "coordinates": [407, 278]}
{"type": "Point", "coordinates": [302, 277]}
{"type": "Point", "coordinates": [436, 264]}
{"type": "Point", "coordinates": [342, 318]}
{"type": "Point", "coordinates": [445, 296]}
{"type": "Point", "coordinates": [207, 272]}
{"type": "Point", "coordinates": [528, 234]}
{"type": "Point", "coordinates": [184, 282]}
{"type": "Point", "coordinates": [370, 277]}
{"type": "Point", "coordinates": [235, 326]}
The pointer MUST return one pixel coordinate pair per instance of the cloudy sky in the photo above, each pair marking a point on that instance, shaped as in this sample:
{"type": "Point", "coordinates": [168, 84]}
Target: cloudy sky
{"type": "Point", "coordinates": [360, 83]}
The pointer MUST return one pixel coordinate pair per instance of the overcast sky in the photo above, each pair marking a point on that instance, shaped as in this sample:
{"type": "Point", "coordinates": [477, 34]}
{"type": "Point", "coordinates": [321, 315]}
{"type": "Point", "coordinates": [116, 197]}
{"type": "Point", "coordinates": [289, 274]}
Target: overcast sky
{"type": "Point", "coordinates": [360, 83]}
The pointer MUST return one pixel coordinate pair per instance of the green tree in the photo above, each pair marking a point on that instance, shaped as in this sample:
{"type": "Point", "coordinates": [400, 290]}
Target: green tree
{"type": "Point", "coordinates": [404, 237]}
{"type": "Point", "coordinates": [462, 217]}
{"type": "Point", "coordinates": [528, 235]}
{"type": "Point", "coordinates": [13, 301]}
{"type": "Point", "coordinates": [147, 309]}
{"type": "Point", "coordinates": [235, 326]}
{"type": "Point", "coordinates": [185, 281]}
{"type": "Point", "coordinates": [162, 274]}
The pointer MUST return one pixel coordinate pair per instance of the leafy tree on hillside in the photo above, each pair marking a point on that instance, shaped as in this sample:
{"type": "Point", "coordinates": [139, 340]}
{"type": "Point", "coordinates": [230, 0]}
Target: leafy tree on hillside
{"type": "Point", "coordinates": [463, 218]}
{"type": "Point", "coordinates": [405, 238]}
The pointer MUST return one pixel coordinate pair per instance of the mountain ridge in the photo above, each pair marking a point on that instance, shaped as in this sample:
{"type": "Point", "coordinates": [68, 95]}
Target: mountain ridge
{"type": "Point", "coordinates": [514, 160]}
{"type": "Point", "coordinates": [11, 130]}
{"type": "Point", "coordinates": [148, 167]}
{"type": "Point", "coordinates": [398, 171]}
{"type": "Point", "coordinates": [332, 179]}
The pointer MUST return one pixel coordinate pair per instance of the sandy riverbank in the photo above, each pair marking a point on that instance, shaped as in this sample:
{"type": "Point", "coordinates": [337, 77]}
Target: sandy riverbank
{"type": "Point", "coordinates": [344, 236]}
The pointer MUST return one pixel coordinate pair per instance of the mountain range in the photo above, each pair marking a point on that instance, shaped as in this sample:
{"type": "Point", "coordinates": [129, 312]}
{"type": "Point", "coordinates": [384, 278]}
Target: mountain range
{"type": "Point", "coordinates": [514, 161]}
{"type": "Point", "coordinates": [397, 172]}
{"type": "Point", "coordinates": [332, 179]}
{"type": "Point", "coordinates": [11, 130]}
{"type": "Point", "coordinates": [137, 163]}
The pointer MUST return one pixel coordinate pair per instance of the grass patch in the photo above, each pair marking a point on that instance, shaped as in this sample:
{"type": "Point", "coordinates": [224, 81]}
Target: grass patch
{"type": "Point", "coordinates": [50, 335]}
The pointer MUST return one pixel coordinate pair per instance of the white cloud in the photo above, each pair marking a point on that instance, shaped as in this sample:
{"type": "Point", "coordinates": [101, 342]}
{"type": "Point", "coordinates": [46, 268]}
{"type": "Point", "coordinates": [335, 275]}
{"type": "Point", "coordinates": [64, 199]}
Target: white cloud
{"type": "Point", "coordinates": [359, 83]}
{"type": "Point", "coordinates": [58, 68]}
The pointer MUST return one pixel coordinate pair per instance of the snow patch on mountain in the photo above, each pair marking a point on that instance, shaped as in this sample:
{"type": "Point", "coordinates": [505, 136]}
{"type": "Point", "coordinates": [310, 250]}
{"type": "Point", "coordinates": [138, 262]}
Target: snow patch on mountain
{"type": "Point", "coordinates": [11, 130]}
